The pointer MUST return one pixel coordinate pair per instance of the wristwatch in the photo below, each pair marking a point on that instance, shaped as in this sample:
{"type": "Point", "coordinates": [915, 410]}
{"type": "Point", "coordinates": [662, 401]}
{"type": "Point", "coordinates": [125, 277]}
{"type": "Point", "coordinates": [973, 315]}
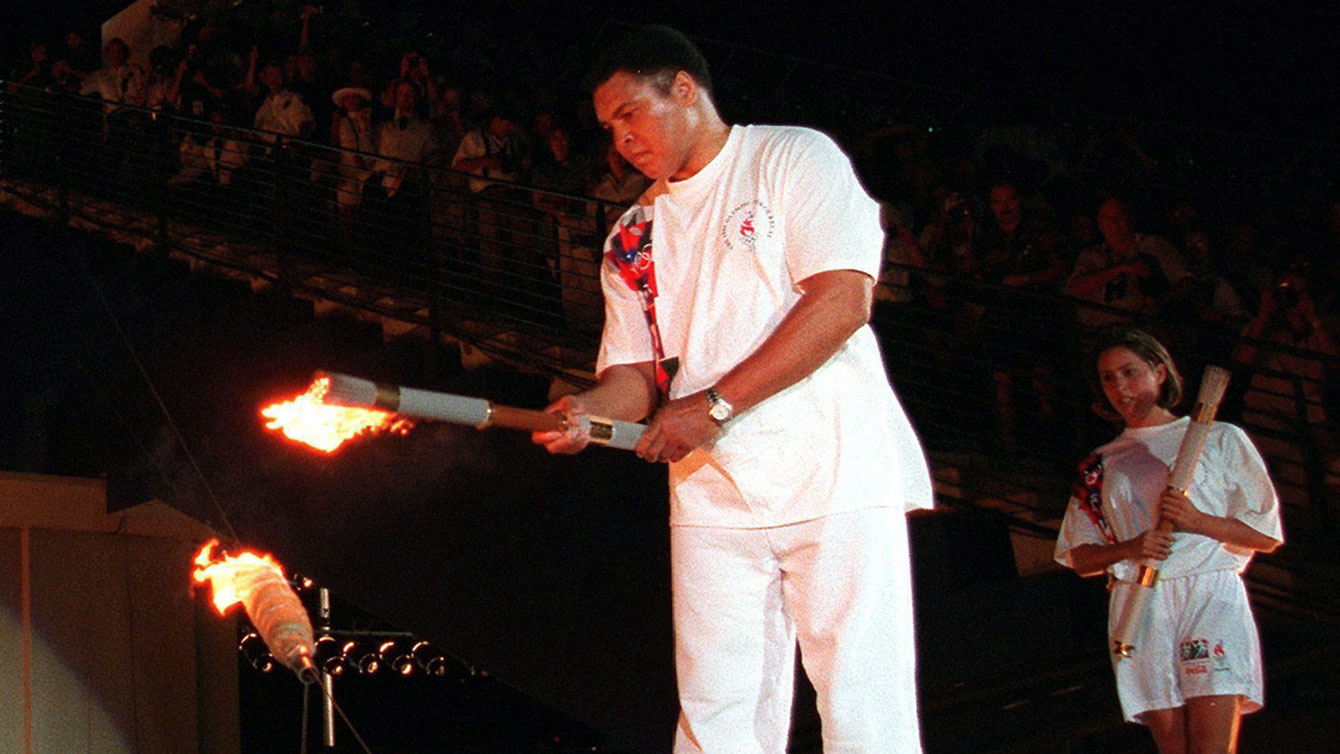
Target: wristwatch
{"type": "Point", "coordinates": [719, 409]}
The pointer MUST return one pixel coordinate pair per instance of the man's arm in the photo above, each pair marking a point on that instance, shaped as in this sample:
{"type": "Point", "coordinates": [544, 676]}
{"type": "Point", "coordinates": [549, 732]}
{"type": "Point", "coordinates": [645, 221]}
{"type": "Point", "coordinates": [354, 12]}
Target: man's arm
{"type": "Point", "coordinates": [626, 392]}
{"type": "Point", "coordinates": [833, 305]}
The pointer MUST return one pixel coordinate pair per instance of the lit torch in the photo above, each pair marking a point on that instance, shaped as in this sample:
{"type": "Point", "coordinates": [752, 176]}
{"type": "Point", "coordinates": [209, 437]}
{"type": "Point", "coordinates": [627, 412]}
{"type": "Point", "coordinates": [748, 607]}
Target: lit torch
{"type": "Point", "coordinates": [1213, 383]}
{"type": "Point", "coordinates": [337, 407]}
{"type": "Point", "coordinates": [258, 582]}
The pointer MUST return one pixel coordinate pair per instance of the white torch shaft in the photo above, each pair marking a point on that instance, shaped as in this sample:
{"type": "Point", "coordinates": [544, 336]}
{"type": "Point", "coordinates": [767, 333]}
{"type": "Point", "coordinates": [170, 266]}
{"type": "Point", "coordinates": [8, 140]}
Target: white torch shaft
{"type": "Point", "coordinates": [1127, 628]}
{"type": "Point", "coordinates": [346, 390]}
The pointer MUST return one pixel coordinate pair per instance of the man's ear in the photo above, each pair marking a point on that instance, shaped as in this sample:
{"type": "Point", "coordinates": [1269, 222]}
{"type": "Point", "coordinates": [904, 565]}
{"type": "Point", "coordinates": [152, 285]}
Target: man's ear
{"type": "Point", "coordinates": [684, 89]}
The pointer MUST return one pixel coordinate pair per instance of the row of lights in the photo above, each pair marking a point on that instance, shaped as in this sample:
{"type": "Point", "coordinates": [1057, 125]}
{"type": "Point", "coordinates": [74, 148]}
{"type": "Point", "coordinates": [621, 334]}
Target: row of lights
{"type": "Point", "coordinates": [338, 657]}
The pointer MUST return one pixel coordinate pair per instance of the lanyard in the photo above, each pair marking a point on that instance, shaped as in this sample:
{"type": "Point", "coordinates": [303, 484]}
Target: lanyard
{"type": "Point", "coordinates": [630, 253]}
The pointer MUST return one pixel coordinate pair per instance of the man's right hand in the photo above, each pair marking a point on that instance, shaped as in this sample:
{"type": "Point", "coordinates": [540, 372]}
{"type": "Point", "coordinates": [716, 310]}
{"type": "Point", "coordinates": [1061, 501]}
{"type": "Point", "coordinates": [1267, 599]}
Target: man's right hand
{"type": "Point", "coordinates": [577, 435]}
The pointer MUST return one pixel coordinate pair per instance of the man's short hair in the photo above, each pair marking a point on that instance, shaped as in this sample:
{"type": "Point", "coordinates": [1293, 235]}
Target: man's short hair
{"type": "Point", "coordinates": [651, 52]}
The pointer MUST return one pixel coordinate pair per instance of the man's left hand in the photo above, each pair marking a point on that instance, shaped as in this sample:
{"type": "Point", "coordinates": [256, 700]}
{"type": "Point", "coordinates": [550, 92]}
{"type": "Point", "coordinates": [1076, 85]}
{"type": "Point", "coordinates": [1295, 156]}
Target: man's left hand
{"type": "Point", "coordinates": [677, 429]}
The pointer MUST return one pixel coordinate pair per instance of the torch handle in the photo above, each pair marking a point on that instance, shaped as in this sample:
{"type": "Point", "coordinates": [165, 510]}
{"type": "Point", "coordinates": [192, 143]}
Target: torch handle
{"type": "Point", "coordinates": [510, 417]}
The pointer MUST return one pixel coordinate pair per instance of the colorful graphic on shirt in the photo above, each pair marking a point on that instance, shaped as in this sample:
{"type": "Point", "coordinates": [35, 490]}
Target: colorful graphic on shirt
{"type": "Point", "coordinates": [747, 225]}
{"type": "Point", "coordinates": [628, 252]}
{"type": "Point", "coordinates": [1195, 649]}
{"type": "Point", "coordinates": [1087, 494]}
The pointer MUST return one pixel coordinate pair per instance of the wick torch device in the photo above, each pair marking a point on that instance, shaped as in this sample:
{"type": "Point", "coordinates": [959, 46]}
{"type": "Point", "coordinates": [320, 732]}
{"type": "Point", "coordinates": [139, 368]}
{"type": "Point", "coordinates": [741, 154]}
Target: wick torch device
{"type": "Point", "coordinates": [1125, 634]}
{"type": "Point", "coordinates": [480, 413]}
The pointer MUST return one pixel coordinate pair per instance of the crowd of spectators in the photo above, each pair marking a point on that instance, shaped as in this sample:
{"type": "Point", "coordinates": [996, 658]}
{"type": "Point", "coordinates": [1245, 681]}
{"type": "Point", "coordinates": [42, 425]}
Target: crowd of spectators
{"type": "Point", "coordinates": [1002, 243]}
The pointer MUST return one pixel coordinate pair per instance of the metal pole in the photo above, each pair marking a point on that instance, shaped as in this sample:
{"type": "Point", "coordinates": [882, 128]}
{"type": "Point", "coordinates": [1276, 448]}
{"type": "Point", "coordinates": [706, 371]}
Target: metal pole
{"type": "Point", "coordinates": [327, 680]}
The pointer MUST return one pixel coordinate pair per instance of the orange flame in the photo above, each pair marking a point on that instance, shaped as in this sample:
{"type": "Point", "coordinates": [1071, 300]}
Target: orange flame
{"type": "Point", "coordinates": [223, 572]}
{"type": "Point", "coordinates": [310, 421]}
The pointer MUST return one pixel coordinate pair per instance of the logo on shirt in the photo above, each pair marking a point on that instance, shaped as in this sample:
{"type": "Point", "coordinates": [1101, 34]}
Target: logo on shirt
{"type": "Point", "coordinates": [746, 225]}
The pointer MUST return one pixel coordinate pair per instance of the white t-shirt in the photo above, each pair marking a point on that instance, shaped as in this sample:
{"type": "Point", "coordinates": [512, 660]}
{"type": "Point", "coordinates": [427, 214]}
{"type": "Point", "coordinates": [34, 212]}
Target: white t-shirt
{"type": "Point", "coordinates": [1230, 481]}
{"type": "Point", "coordinates": [775, 206]}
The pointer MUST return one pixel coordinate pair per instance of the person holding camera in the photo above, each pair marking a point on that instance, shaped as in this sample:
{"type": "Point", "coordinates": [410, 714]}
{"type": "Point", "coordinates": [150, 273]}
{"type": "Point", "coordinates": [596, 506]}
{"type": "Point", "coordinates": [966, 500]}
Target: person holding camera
{"type": "Point", "coordinates": [1129, 270]}
{"type": "Point", "coordinates": [1293, 358]}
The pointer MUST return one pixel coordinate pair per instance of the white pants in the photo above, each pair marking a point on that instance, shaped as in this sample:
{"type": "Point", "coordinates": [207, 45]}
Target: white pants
{"type": "Point", "coordinates": [841, 585]}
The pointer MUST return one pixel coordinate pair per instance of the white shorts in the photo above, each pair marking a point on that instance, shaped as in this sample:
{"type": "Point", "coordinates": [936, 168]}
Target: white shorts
{"type": "Point", "coordinates": [841, 585]}
{"type": "Point", "coordinates": [1199, 639]}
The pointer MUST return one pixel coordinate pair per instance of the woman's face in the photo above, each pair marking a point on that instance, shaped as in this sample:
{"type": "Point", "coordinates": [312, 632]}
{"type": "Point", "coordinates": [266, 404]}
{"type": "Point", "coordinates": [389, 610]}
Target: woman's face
{"type": "Point", "coordinates": [1131, 385]}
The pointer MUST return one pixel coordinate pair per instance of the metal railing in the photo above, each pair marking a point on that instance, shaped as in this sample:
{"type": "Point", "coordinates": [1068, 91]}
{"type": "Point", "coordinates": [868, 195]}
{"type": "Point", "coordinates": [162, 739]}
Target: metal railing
{"type": "Point", "coordinates": [992, 376]}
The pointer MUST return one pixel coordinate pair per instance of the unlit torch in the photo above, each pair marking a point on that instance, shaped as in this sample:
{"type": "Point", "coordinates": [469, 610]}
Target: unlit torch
{"type": "Point", "coordinates": [1126, 632]}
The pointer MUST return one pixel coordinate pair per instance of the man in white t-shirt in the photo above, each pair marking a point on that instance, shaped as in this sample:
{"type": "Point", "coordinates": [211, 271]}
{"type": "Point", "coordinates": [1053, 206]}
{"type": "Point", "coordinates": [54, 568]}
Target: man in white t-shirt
{"type": "Point", "coordinates": [738, 292]}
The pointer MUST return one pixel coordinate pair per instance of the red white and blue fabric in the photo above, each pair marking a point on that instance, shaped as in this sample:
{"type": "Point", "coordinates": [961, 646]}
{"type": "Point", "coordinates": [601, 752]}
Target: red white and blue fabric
{"type": "Point", "coordinates": [629, 253]}
{"type": "Point", "coordinates": [1087, 493]}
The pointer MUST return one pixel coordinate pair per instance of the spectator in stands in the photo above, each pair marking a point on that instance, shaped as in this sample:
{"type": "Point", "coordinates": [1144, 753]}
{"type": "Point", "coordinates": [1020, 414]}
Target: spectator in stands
{"type": "Point", "coordinates": [354, 134]}
{"type": "Point", "coordinates": [301, 74]}
{"type": "Point", "coordinates": [494, 152]}
{"type": "Point", "coordinates": [120, 82]}
{"type": "Point", "coordinates": [395, 204]}
{"type": "Point", "coordinates": [162, 84]}
{"type": "Point", "coordinates": [619, 184]}
{"type": "Point", "coordinates": [1292, 360]}
{"type": "Point", "coordinates": [447, 119]}
{"type": "Point", "coordinates": [1021, 333]}
{"type": "Point", "coordinates": [1211, 302]}
{"type": "Point", "coordinates": [37, 73]}
{"type": "Point", "coordinates": [1129, 270]}
{"type": "Point", "coordinates": [414, 70]}
{"type": "Point", "coordinates": [496, 158]}
{"type": "Point", "coordinates": [73, 63]}
{"type": "Point", "coordinates": [407, 140]}
{"type": "Point", "coordinates": [282, 111]}
{"type": "Point", "coordinates": [210, 156]}
{"type": "Point", "coordinates": [560, 168]}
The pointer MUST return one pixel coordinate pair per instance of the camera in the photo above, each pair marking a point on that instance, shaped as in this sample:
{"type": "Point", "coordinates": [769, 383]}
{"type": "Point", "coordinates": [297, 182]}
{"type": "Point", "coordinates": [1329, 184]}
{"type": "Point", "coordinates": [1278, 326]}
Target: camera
{"type": "Point", "coordinates": [1286, 294]}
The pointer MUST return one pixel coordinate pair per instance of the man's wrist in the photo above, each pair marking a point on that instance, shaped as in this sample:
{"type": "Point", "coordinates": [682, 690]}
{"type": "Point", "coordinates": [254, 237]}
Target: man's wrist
{"type": "Point", "coordinates": [719, 410]}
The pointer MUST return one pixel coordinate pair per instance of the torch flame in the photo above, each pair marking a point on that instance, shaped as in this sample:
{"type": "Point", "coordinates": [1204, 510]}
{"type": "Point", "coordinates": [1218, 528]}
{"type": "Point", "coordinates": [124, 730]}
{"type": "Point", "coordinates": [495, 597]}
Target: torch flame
{"type": "Point", "coordinates": [223, 571]}
{"type": "Point", "coordinates": [308, 420]}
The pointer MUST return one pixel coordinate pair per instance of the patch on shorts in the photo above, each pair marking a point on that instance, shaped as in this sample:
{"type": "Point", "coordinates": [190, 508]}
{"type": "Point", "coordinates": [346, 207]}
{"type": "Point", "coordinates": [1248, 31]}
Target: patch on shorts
{"type": "Point", "coordinates": [1200, 657]}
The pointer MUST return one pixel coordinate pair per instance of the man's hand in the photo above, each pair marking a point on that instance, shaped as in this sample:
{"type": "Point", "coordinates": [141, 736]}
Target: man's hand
{"type": "Point", "coordinates": [1175, 507]}
{"type": "Point", "coordinates": [677, 429]}
{"type": "Point", "coordinates": [578, 433]}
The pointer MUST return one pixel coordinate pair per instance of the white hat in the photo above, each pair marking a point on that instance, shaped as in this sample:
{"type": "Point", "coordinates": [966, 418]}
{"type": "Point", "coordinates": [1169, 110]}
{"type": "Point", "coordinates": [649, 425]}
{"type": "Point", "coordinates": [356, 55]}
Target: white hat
{"type": "Point", "coordinates": [342, 93]}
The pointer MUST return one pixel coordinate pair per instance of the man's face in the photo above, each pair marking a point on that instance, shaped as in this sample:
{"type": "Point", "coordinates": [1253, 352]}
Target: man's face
{"type": "Point", "coordinates": [650, 129]}
{"type": "Point", "coordinates": [272, 76]}
{"type": "Point", "coordinates": [501, 127]}
{"type": "Point", "coordinates": [1004, 202]}
{"type": "Point", "coordinates": [117, 53]}
{"type": "Point", "coordinates": [1113, 223]}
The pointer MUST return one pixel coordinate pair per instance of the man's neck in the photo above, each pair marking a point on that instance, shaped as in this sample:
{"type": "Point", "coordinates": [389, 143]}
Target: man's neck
{"type": "Point", "coordinates": [713, 140]}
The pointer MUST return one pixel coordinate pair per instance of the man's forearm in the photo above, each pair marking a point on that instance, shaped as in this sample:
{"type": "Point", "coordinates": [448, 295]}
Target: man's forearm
{"type": "Point", "coordinates": [626, 392]}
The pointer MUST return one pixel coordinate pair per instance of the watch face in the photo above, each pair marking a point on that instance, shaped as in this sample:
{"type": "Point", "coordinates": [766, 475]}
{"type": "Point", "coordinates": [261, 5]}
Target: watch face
{"type": "Point", "coordinates": [719, 412]}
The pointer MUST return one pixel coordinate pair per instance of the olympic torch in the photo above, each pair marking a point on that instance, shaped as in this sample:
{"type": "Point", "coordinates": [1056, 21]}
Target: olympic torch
{"type": "Point", "coordinates": [338, 407]}
{"type": "Point", "coordinates": [1125, 634]}
{"type": "Point", "coordinates": [479, 413]}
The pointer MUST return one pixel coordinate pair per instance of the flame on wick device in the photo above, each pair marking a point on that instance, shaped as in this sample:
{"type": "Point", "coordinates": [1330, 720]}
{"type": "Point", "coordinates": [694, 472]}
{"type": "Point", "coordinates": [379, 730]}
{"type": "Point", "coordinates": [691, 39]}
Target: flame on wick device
{"type": "Point", "coordinates": [307, 419]}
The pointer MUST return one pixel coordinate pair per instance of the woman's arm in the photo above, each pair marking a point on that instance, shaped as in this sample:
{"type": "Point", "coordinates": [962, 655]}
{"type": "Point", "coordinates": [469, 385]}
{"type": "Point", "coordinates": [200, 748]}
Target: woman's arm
{"type": "Point", "coordinates": [1092, 560]}
{"type": "Point", "coordinates": [1177, 508]}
